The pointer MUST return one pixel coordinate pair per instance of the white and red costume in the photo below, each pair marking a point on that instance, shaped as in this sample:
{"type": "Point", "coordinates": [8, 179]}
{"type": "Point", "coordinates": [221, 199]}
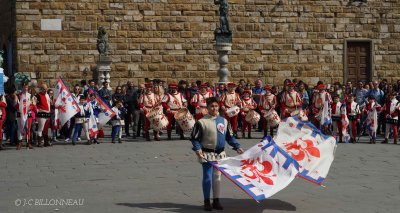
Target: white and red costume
{"type": "Point", "coordinates": [248, 104]}
{"type": "Point", "coordinates": [290, 101]}
{"type": "Point", "coordinates": [172, 102]}
{"type": "Point", "coordinates": [147, 102]}
{"type": "Point", "coordinates": [337, 119]}
{"type": "Point", "coordinates": [354, 116]}
{"type": "Point", "coordinates": [317, 103]}
{"type": "Point", "coordinates": [199, 102]}
{"type": "Point", "coordinates": [267, 103]}
{"type": "Point", "coordinates": [391, 111]}
{"type": "Point", "coordinates": [228, 100]}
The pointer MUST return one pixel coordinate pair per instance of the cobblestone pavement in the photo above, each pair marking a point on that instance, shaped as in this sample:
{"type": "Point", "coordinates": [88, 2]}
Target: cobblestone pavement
{"type": "Point", "coordinates": [138, 176]}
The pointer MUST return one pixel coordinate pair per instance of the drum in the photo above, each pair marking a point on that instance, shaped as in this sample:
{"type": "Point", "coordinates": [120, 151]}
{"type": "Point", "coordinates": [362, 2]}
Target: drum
{"type": "Point", "coordinates": [203, 110]}
{"type": "Point", "coordinates": [252, 117]}
{"type": "Point", "coordinates": [272, 117]}
{"type": "Point", "coordinates": [233, 111]}
{"type": "Point", "coordinates": [157, 119]}
{"type": "Point", "coordinates": [390, 121]}
{"type": "Point", "coordinates": [300, 114]}
{"type": "Point", "coordinates": [185, 119]}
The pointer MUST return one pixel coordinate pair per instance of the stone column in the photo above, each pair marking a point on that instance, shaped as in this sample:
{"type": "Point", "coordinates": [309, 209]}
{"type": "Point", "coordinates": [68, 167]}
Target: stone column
{"type": "Point", "coordinates": [103, 69]}
{"type": "Point", "coordinates": [223, 60]}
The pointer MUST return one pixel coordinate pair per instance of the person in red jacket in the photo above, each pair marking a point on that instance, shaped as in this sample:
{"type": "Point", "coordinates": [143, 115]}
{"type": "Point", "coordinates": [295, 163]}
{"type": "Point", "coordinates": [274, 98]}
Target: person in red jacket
{"type": "Point", "coordinates": [44, 113]}
{"type": "Point", "coordinates": [248, 104]}
{"type": "Point", "coordinates": [199, 101]}
{"type": "Point", "coordinates": [354, 116]}
{"type": "Point", "coordinates": [172, 103]}
{"type": "Point", "coordinates": [3, 105]}
{"type": "Point", "coordinates": [228, 100]}
{"type": "Point", "coordinates": [391, 113]}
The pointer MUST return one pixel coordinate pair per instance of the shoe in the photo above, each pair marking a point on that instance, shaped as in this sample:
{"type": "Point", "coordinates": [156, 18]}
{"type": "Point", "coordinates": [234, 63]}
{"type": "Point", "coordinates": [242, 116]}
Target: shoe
{"type": "Point", "coordinates": [249, 135]}
{"type": "Point", "coordinates": [47, 142]}
{"type": "Point", "coordinates": [29, 146]}
{"type": "Point", "coordinates": [133, 136]}
{"type": "Point", "coordinates": [119, 140]}
{"type": "Point", "coordinates": [19, 145]}
{"type": "Point", "coordinates": [395, 141]}
{"type": "Point", "coordinates": [88, 142]}
{"type": "Point", "coordinates": [216, 204]}
{"type": "Point", "coordinates": [128, 135]}
{"type": "Point", "coordinates": [373, 141]}
{"type": "Point", "coordinates": [147, 134]}
{"type": "Point", "coordinates": [112, 141]}
{"type": "Point", "coordinates": [97, 142]}
{"type": "Point", "coordinates": [2, 147]}
{"type": "Point", "coordinates": [55, 140]}
{"type": "Point", "coordinates": [207, 205]}
{"type": "Point", "coordinates": [385, 141]}
{"type": "Point", "coordinates": [79, 139]}
{"type": "Point", "coordinates": [243, 135]}
{"type": "Point", "coordinates": [67, 140]}
{"type": "Point", "coordinates": [169, 135]}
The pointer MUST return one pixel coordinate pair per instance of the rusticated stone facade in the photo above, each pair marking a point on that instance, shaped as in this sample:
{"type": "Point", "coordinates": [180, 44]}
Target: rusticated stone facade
{"type": "Point", "coordinates": [173, 39]}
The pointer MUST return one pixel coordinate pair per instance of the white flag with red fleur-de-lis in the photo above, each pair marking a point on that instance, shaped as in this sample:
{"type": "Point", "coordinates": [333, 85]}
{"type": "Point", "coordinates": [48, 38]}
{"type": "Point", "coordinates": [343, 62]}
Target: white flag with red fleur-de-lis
{"type": "Point", "coordinates": [313, 150]}
{"type": "Point", "coordinates": [261, 171]}
{"type": "Point", "coordinates": [299, 149]}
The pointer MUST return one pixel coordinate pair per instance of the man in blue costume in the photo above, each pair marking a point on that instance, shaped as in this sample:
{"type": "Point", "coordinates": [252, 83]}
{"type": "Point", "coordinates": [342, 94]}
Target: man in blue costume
{"type": "Point", "coordinates": [208, 138]}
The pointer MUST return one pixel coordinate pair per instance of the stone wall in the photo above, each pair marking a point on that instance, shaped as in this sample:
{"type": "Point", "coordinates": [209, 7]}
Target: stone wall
{"type": "Point", "coordinates": [173, 39]}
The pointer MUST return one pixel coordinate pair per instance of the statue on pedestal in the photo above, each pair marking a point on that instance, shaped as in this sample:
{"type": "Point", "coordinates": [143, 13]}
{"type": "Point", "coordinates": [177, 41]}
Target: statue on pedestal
{"type": "Point", "coordinates": [102, 41]}
{"type": "Point", "coordinates": [223, 33]}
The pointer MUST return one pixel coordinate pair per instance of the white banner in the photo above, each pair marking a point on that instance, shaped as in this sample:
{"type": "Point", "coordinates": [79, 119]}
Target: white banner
{"type": "Point", "coordinates": [313, 150]}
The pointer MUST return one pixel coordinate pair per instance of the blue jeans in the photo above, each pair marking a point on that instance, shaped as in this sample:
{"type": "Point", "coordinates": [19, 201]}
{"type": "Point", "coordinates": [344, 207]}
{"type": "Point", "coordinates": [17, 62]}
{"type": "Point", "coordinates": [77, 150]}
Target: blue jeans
{"type": "Point", "coordinates": [116, 130]}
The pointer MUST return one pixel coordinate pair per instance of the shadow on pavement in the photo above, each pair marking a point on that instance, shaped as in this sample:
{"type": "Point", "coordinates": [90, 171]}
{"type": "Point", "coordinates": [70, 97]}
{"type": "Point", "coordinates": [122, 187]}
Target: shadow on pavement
{"type": "Point", "coordinates": [230, 205]}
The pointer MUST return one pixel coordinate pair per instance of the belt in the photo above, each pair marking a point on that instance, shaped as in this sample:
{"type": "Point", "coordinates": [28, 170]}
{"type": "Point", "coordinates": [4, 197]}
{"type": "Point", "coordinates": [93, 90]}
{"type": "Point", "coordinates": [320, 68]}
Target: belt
{"type": "Point", "coordinates": [218, 151]}
{"type": "Point", "coordinates": [43, 115]}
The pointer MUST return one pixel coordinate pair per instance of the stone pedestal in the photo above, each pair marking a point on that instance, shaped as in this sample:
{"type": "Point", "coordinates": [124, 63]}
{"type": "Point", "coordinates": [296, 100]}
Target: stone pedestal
{"type": "Point", "coordinates": [103, 69]}
{"type": "Point", "coordinates": [223, 60]}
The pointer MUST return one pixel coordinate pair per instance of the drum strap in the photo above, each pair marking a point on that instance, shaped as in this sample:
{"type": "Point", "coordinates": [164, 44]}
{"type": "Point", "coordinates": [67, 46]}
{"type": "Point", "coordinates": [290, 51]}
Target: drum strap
{"type": "Point", "coordinates": [220, 123]}
{"type": "Point", "coordinates": [179, 103]}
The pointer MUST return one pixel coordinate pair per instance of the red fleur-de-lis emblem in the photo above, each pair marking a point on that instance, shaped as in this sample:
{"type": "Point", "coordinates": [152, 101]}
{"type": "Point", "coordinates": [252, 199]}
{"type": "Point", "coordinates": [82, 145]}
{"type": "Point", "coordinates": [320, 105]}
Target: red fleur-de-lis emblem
{"type": "Point", "coordinates": [301, 149]}
{"type": "Point", "coordinates": [259, 171]}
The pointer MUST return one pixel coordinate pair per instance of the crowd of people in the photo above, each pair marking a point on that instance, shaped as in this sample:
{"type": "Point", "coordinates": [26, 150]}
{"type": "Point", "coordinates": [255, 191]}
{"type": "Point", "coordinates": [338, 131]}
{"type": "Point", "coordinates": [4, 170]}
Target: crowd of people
{"type": "Point", "coordinates": [364, 104]}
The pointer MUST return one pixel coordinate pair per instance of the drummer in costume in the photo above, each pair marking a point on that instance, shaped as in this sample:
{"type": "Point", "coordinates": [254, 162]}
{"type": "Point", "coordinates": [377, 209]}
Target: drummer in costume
{"type": "Point", "coordinates": [290, 101]}
{"type": "Point", "coordinates": [248, 104]}
{"type": "Point", "coordinates": [371, 110]}
{"type": "Point", "coordinates": [117, 121]}
{"type": "Point", "coordinates": [148, 101]}
{"type": "Point", "coordinates": [208, 138]}
{"type": "Point", "coordinates": [199, 101]}
{"type": "Point", "coordinates": [229, 100]}
{"type": "Point", "coordinates": [391, 113]}
{"type": "Point", "coordinates": [318, 101]}
{"type": "Point", "coordinates": [354, 116]}
{"type": "Point", "coordinates": [337, 117]}
{"type": "Point", "coordinates": [173, 102]}
{"type": "Point", "coordinates": [267, 105]}
{"type": "Point", "coordinates": [81, 120]}
{"type": "Point", "coordinates": [24, 119]}
{"type": "Point", "coordinates": [44, 114]}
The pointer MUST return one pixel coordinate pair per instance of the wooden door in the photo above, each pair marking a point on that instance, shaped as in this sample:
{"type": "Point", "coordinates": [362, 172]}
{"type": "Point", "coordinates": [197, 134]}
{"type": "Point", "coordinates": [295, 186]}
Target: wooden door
{"type": "Point", "coordinates": [358, 61]}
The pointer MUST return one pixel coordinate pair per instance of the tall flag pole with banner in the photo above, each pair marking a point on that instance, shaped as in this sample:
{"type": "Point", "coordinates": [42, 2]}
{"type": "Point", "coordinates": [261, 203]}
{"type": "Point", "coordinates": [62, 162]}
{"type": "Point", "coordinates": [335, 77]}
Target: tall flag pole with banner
{"type": "Point", "coordinates": [65, 105]}
{"type": "Point", "coordinates": [299, 149]}
{"type": "Point", "coordinates": [106, 113]}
